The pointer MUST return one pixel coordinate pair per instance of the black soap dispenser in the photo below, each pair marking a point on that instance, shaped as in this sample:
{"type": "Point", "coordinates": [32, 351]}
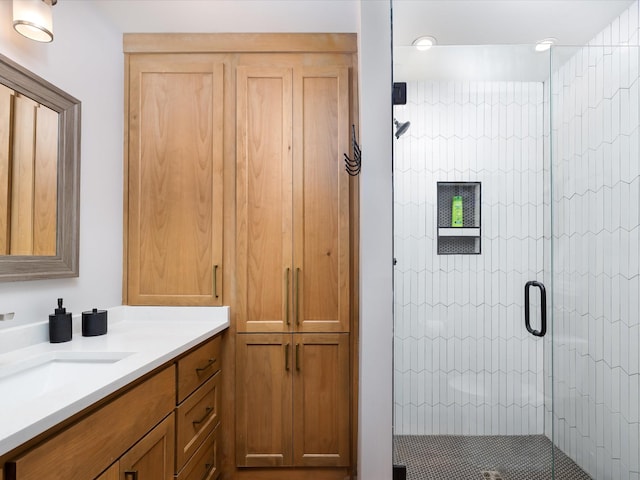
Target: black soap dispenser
{"type": "Point", "coordinates": [60, 325]}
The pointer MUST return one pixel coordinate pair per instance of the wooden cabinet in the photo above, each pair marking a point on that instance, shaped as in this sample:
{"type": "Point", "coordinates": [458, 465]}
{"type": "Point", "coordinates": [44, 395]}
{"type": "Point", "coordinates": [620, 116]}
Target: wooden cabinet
{"type": "Point", "coordinates": [292, 400]}
{"type": "Point", "coordinates": [198, 411]}
{"type": "Point", "coordinates": [174, 180]}
{"type": "Point", "coordinates": [91, 444]}
{"type": "Point", "coordinates": [205, 464]}
{"type": "Point", "coordinates": [293, 260]}
{"type": "Point", "coordinates": [152, 457]}
{"type": "Point", "coordinates": [293, 243]}
{"type": "Point", "coordinates": [286, 108]}
{"type": "Point", "coordinates": [163, 427]}
{"type": "Point", "coordinates": [112, 473]}
{"type": "Point", "coordinates": [264, 387]}
{"type": "Point", "coordinates": [198, 366]}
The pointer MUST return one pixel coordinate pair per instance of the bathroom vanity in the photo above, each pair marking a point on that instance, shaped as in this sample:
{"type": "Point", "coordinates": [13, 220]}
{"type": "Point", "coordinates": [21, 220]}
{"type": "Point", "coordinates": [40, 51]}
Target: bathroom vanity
{"type": "Point", "coordinates": [141, 402]}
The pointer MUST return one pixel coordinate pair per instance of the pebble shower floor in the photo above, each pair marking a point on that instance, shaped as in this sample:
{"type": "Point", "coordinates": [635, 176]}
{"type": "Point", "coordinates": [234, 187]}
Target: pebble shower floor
{"type": "Point", "coordinates": [458, 457]}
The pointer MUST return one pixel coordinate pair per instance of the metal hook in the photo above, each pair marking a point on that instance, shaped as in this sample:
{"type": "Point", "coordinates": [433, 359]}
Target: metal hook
{"type": "Point", "coordinates": [353, 166]}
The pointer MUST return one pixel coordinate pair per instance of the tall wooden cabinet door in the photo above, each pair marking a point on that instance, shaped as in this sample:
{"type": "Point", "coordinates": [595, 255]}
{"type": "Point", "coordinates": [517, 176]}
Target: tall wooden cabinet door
{"type": "Point", "coordinates": [264, 366]}
{"type": "Point", "coordinates": [152, 457]}
{"type": "Point", "coordinates": [264, 210]}
{"type": "Point", "coordinates": [321, 199]}
{"type": "Point", "coordinates": [175, 167]}
{"type": "Point", "coordinates": [321, 422]}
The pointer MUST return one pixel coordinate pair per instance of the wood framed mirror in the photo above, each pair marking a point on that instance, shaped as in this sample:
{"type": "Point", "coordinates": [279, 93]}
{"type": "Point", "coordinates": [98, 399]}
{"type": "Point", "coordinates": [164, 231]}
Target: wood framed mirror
{"type": "Point", "coordinates": [39, 177]}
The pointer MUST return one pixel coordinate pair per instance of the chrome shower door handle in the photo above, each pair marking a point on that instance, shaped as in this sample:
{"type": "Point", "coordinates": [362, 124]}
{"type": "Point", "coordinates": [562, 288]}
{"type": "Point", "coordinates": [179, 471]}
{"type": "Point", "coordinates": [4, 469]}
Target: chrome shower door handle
{"type": "Point", "coordinates": [543, 309]}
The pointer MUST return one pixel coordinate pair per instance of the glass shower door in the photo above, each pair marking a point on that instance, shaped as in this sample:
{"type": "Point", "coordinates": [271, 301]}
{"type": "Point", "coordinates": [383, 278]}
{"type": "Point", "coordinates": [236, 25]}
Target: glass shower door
{"type": "Point", "coordinates": [471, 382]}
{"type": "Point", "coordinates": [595, 230]}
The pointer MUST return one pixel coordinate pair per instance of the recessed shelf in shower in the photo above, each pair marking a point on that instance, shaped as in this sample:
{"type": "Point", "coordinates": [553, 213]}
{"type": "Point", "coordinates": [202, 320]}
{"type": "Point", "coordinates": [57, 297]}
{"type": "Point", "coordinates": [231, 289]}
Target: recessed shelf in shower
{"type": "Point", "coordinates": [459, 229]}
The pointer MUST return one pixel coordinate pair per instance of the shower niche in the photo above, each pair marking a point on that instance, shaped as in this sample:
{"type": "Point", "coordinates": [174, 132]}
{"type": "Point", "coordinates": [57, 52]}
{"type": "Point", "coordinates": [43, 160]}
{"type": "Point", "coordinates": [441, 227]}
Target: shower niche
{"type": "Point", "coordinates": [459, 218]}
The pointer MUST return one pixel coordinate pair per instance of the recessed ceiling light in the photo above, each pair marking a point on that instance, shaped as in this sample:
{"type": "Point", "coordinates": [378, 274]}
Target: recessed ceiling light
{"type": "Point", "coordinates": [544, 45]}
{"type": "Point", "coordinates": [424, 43]}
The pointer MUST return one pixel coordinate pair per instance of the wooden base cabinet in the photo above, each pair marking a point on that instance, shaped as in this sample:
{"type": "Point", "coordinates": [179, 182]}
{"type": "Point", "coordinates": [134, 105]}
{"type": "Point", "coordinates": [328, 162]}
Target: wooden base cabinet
{"type": "Point", "coordinates": [152, 457]}
{"type": "Point", "coordinates": [292, 393]}
{"type": "Point", "coordinates": [164, 427]}
{"type": "Point", "coordinates": [149, 459]}
{"type": "Point", "coordinates": [89, 446]}
{"type": "Point", "coordinates": [198, 413]}
{"type": "Point", "coordinates": [205, 463]}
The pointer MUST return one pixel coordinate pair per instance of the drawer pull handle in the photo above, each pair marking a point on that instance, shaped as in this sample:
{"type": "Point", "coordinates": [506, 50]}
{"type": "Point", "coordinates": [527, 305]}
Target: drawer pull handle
{"type": "Point", "coordinates": [131, 474]}
{"type": "Point", "coordinates": [211, 361]}
{"type": "Point", "coordinates": [207, 411]}
{"type": "Point", "coordinates": [297, 356]}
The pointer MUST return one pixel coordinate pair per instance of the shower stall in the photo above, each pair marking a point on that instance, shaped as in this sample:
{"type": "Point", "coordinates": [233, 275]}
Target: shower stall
{"type": "Point", "coordinates": [517, 276]}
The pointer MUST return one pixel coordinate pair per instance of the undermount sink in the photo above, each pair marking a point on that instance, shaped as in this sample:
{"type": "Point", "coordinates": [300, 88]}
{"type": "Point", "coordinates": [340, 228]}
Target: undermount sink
{"type": "Point", "coordinates": [50, 371]}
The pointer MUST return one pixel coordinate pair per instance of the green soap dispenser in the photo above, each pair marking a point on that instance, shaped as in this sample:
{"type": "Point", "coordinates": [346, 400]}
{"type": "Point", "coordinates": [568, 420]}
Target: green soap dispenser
{"type": "Point", "coordinates": [456, 211]}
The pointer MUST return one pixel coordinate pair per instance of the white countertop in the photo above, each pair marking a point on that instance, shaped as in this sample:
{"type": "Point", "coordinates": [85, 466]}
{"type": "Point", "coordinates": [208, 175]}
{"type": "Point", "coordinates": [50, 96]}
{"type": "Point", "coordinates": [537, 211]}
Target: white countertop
{"type": "Point", "coordinates": [146, 337]}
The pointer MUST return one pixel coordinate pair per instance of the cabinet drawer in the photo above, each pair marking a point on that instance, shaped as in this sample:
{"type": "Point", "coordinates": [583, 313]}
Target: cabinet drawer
{"type": "Point", "coordinates": [197, 416]}
{"type": "Point", "coordinates": [204, 463]}
{"type": "Point", "coordinates": [89, 446]}
{"type": "Point", "coordinates": [196, 367]}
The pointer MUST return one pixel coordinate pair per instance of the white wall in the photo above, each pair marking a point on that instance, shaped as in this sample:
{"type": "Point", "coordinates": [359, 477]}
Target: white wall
{"type": "Point", "coordinates": [463, 361]}
{"type": "Point", "coordinates": [376, 250]}
{"type": "Point", "coordinates": [596, 270]}
{"type": "Point", "coordinates": [85, 60]}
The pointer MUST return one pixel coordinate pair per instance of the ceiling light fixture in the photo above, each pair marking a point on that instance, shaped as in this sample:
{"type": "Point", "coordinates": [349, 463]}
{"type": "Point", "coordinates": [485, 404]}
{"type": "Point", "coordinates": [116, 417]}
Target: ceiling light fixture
{"type": "Point", "coordinates": [424, 43]}
{"type": "Point", "coordinates": [544, 45]}
{"type": "Point", "coordinates": [34, 19]}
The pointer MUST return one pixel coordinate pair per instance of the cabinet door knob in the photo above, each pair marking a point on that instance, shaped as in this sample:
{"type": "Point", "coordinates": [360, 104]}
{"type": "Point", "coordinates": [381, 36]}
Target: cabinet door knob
{"type": "Point", "coordinates": [131, 474]}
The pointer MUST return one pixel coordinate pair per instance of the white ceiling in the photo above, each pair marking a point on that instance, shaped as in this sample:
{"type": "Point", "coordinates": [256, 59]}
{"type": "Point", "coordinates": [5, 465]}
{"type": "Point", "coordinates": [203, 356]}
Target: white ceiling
{"type": "Point", "coordinates": [491, 22]}
{"type": "Point", "coordinates": [517, 23]}
{"type": "Point", "coordinates": [210, 16]}
{"type": "Point", "coordinates": [452, 22]}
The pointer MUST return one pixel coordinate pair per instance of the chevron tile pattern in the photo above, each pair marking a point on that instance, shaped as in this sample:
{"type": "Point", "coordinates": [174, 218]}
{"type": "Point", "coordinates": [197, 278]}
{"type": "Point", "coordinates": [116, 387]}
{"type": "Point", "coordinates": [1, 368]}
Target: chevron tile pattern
{"type": "Point", "coordinates": [596, 249]}
{"type": "Point", "coordinates": [464, 363]}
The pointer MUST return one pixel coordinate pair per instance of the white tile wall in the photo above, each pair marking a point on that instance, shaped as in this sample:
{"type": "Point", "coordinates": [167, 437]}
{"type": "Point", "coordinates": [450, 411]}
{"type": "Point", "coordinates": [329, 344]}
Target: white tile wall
{"type": "Point", "coordinates": [464, 362]}
{"type": "Point", "coordinates": [596, 224]}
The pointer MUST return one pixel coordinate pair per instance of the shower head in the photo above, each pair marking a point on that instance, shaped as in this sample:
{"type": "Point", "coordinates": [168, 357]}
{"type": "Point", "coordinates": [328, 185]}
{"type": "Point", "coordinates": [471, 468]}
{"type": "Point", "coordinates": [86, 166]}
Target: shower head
{"type": "Point", "coordinates": [401, 128]}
